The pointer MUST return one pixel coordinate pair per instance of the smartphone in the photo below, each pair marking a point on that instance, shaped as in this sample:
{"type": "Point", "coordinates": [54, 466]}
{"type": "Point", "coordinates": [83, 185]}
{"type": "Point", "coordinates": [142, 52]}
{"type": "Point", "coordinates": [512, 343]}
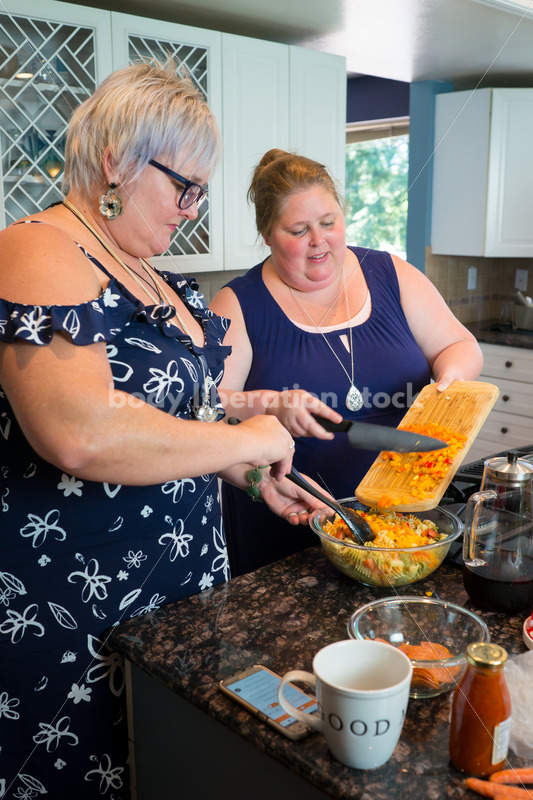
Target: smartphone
{"type": "Point", "coordinates": [256, 689]}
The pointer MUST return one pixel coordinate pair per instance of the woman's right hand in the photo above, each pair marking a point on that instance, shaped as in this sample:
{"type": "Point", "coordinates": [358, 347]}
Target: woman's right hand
{"type": "Point", "coordinates": [294, 409]}
{"type": "Point", "coordinates": [269, 443]}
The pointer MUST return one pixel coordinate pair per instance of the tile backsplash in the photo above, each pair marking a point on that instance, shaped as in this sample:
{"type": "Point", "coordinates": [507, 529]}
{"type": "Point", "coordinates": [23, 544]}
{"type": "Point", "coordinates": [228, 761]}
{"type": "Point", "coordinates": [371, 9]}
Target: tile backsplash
{"type": "Point", "coordinates": [495, 279]}
{"type": "Point", "coordinates": [494, 284]}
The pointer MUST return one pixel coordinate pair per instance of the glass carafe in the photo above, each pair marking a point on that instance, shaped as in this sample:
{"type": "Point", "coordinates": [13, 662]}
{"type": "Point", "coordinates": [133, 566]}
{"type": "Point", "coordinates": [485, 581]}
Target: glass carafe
{"type": "Point", "coordinates": [498, 537]}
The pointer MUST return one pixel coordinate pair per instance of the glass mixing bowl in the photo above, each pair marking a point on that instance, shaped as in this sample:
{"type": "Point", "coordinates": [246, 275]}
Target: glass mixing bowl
{"type": "Point", "coordinates": [388, 566]}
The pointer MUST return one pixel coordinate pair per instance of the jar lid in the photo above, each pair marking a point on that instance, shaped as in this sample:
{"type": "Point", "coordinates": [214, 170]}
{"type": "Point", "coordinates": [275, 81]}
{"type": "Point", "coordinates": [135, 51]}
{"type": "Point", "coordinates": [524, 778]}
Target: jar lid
{"type": "Point", "coordinates": [508, 468]}
{"type": "Point", "coordinates": [485, 654]}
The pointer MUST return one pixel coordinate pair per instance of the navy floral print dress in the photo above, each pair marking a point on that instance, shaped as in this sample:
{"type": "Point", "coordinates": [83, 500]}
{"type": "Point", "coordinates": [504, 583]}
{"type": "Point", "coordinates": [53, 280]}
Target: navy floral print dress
{"type": "Point", "coordinates": [77, 557]}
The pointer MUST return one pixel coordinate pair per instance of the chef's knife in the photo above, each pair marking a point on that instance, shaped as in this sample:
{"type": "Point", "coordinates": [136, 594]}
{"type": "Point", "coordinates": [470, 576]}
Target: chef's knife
{"type": "Point", "coordinates": [380, 437]}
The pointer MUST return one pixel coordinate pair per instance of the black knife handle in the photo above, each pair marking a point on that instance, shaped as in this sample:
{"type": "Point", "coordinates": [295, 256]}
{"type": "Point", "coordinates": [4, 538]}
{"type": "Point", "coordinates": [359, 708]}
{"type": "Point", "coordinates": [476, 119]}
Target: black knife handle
{"type": "Point", "coordinates": [333, 427]}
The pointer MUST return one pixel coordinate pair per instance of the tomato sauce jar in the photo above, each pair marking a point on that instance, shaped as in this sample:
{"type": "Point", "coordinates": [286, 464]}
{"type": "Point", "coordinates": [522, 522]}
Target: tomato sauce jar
{"type": "Point", "coordinates": [481, 712]}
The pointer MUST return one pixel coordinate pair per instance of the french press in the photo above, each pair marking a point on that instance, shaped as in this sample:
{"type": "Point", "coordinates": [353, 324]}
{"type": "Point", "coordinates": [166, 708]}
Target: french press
{"type": "Point", "coordinates": [498, 536]}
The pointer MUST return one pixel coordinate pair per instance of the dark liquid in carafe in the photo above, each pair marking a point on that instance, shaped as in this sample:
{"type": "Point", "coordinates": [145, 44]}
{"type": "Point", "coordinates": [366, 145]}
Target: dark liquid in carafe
{"type": "Point", "coordinates": [496, 589]}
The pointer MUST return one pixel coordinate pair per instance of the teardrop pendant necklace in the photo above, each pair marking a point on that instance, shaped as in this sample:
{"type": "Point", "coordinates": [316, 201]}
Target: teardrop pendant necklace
{"type": "Point", "coordinates": [354, 398]}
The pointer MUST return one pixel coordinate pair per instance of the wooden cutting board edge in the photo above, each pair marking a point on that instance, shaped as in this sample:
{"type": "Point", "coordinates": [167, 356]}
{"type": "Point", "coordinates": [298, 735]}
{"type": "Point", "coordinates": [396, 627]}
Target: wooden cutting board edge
{"type": "Point", "coordinates": [370, 497]}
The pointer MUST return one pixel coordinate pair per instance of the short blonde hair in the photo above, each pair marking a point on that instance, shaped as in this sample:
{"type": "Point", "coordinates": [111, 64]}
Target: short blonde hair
{"type": "Point", "coordinates": [278, 176]}
{"type": "Point", "coordinates": [144, 110]}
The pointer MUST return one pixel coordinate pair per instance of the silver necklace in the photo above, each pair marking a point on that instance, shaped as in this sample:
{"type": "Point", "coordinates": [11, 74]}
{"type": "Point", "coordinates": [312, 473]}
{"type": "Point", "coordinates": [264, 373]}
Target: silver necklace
{"type": "Point", "coordinates": [354, 398]}
{"type": "Point", "coordinates": [204, 412]}
{"type": "Point", "coordinates": [161, 294]}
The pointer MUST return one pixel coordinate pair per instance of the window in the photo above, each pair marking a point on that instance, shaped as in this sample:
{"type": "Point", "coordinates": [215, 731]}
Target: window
{"type": "Point", "coordinates": [377, 161]}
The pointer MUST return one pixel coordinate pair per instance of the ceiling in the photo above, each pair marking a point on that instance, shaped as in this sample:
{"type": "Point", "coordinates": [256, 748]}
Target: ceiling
{"type": "Point", "coordinates": [462, 41]}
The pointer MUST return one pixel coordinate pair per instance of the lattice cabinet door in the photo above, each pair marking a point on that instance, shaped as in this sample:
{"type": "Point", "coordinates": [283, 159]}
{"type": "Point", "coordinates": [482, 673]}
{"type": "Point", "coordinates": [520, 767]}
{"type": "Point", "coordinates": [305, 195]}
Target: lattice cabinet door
{"type": "Point", "coordinates": [48, 66]}
{"type": "Point", "coordinates": [197, 245]}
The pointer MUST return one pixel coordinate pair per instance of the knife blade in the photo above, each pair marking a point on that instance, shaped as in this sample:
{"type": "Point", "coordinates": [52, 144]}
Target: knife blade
{"type": "Point", "coordinates": [380, 437]}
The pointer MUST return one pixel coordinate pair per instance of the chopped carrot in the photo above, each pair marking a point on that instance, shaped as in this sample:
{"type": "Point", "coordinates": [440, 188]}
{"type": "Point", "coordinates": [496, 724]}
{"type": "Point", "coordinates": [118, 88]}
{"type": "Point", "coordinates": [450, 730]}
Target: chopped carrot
{"type": "Point", "coordinates": [432, 676]}
{"type": "Point", "coordinates": [518, 775]}
{"type": "Point", "coordinates": [497, 791]}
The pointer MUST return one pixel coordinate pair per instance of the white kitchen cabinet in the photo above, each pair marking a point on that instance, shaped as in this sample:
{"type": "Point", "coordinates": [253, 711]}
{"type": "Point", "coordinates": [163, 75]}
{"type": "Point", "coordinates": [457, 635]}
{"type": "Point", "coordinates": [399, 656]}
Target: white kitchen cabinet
{"type": "Point", "coordinates": [510, 423]}
{"type": "Point", "coordinates": [290, 98]}
{"type": "Point", "coordinates": [263, 95]}
{"type": "Point", "coordinates": [317, 121]}
{"type": "Point", "coordinates": [482, 201]}
{"type": "Point", "coordinates": [255, 118]}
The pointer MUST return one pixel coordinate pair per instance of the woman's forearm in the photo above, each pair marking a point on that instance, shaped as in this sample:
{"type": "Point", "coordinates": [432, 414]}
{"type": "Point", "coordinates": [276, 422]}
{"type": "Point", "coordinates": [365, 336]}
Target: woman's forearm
{"type": "Point", "coordinates": [462, 360]}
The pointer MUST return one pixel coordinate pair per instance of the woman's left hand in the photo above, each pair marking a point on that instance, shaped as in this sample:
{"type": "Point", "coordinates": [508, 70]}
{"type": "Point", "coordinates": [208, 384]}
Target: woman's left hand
{"type": "Point", "coordinates": [288, 501]}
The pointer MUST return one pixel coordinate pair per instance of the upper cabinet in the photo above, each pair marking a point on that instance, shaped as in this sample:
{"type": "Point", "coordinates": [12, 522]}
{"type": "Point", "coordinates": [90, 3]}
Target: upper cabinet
{"type": "Point", "coordinates": [274, 96]}
{"type": "Point", "coordinates": [198, 244]}
{"type": "Point", "coordinates": [54, 54]}
{"type": "Point", "coordinates": [255, 118]}
{"type": "Point", "coordinates": [483, 162]}
{"type": "Point", "coordinates": [317, 111]}
{"type": "Point", "coordinates": [51, 59]}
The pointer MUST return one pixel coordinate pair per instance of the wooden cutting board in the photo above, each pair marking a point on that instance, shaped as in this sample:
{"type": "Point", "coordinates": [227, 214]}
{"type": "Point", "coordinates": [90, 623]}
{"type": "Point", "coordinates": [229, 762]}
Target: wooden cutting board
{"type": "Point", "coordinates": [462, 408]}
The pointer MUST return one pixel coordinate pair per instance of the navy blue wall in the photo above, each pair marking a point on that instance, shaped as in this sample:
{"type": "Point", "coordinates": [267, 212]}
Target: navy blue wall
{"type": "Point", "coordinates": [421, 146]}
{"type": "Point", "coordinates": [376, 98]}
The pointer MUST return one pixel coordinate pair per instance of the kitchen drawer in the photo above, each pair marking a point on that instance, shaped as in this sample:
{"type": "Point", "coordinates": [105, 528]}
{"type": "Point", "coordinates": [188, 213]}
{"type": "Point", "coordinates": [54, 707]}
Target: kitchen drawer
{"type": "Point", "coordinates": [502, 431]}
{"type": "Point", "coordinates": [515, 397]}
{"type": "Point", "coordinates": [510, 363]}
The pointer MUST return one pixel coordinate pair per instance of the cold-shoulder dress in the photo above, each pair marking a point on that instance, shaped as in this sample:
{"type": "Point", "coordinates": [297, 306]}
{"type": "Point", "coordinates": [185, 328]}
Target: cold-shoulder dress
{"type": "Point", "coordinates": [77, 557]}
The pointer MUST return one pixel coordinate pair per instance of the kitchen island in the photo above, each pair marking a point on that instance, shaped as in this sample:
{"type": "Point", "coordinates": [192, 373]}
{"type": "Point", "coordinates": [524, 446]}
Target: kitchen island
{"type": "Point", "coordinates": [196, 742]}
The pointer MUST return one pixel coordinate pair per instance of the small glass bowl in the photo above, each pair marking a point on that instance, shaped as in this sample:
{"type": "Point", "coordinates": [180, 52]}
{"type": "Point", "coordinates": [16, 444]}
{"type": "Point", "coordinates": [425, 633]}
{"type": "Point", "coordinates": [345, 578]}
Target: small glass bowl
{"type": "Point", "coordinates": [422, 620]}
{"type": "Point", "coordinates": [388, 566]}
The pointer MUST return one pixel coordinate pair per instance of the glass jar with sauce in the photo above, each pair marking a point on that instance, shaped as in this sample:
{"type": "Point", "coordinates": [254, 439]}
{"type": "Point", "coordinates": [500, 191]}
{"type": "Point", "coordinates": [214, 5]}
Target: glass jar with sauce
{"type": "Point", "coordinates": [481, 712]}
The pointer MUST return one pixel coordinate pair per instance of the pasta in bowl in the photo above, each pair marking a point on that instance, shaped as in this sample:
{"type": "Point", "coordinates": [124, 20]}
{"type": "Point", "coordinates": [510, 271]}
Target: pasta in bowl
{"type": "Point", "coordinates": [407, 547]}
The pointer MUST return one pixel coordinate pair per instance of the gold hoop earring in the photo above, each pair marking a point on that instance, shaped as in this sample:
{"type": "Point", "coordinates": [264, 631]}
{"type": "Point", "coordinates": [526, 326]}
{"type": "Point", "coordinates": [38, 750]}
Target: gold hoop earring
{"type": "Point", "coordinates": [110, 203]}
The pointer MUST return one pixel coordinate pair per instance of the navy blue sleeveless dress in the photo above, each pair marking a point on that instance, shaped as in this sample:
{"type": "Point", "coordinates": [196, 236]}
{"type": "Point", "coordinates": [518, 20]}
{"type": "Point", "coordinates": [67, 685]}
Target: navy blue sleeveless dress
{"type": "Point", "coordinates": [390, 369]}
{"type": "Point", "coordinates": [77, 557]}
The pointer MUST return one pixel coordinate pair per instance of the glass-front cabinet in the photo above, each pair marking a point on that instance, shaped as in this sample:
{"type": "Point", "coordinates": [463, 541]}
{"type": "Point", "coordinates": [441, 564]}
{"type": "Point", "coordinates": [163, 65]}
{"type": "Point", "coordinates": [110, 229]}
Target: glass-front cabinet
{"type": "Point", "coordinates": [54, 54]}
{"type": "Point", "coordinates": [197, 244]}
{"type": "Point", "coordinates": [47, 68]}
{"type": "Point", "coordinates": [52, 57]}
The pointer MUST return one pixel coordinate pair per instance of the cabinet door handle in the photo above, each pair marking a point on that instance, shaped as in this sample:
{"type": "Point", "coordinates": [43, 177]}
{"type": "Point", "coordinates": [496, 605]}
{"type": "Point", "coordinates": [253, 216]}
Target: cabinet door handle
{"type": "Point", "coordinates": [508, 364]}
{"type": "Point", "coordinates": [504, 430]}
{"type": "Point", "coordinates": [505, 398]}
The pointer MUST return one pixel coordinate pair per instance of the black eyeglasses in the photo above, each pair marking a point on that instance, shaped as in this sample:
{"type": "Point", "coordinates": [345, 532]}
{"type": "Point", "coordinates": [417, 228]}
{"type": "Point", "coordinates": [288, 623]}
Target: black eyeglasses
{"type": "Point", "coordinates": [192, 192]}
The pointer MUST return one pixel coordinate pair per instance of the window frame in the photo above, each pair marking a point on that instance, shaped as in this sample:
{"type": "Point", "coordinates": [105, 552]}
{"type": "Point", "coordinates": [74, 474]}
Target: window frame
{"type": "Point", "coordinates": [366, 130]}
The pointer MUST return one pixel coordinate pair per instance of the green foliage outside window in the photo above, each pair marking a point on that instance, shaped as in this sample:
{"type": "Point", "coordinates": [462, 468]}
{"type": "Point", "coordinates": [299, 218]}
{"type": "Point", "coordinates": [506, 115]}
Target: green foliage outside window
{"type": "Point", "coordinates": [376, 193]}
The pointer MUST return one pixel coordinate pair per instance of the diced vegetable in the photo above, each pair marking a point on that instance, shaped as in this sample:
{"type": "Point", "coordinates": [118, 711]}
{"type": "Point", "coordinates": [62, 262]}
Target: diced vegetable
{"type": "Point", "coordinates": [427, 468]}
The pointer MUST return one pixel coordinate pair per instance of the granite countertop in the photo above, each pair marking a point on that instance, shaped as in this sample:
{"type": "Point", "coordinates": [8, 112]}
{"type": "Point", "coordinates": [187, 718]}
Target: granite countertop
{"type": "Point", "coordinates": [493, 331]}
{"type": "Point", "coordinates": [280, 616]}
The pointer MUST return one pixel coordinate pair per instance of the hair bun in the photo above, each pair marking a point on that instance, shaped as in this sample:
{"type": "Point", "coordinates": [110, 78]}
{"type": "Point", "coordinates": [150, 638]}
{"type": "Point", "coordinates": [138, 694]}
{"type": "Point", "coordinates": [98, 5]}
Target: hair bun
{"type": "Point", "coordinates": [272, 155]}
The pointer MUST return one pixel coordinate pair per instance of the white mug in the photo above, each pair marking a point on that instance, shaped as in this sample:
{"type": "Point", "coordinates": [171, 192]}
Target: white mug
{"type": "Point", "coordinates": [362, 688]}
